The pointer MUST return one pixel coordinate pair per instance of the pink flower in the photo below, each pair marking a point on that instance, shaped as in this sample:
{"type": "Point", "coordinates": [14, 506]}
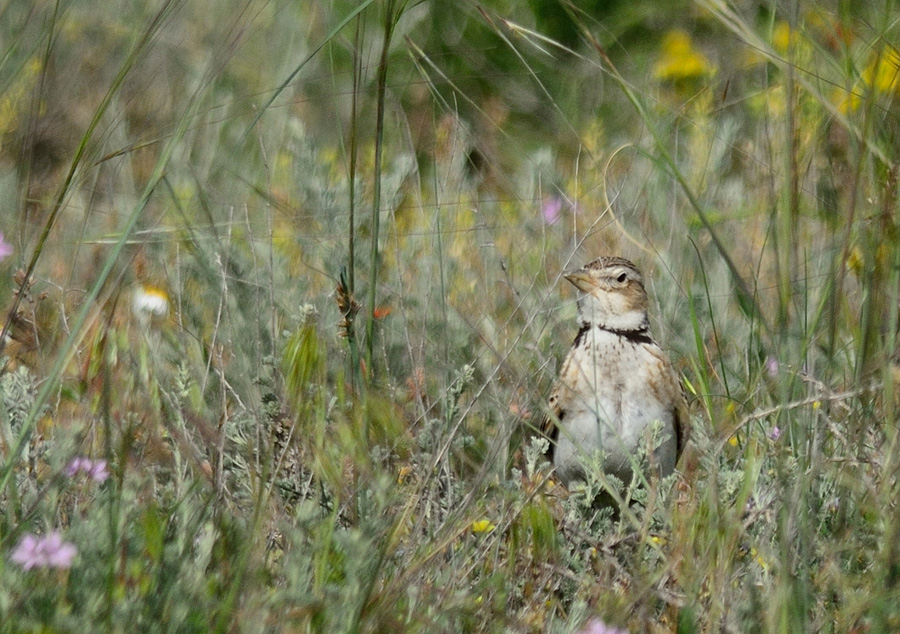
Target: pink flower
{"type": "Point", "coordinates": [6, 248]}
{"type": "Point", "coordinates": [775, 434]}
{"type": "Point", "coordinates": [96, 469]}
{"type": "Point", "coordinates": [772, 366]}
{"type": "Point", "coordinates": [596, 626]}
{"type": "Point", "coordinates": [49, 551]}
{"type": "Point", "coordinates": [552, 209]}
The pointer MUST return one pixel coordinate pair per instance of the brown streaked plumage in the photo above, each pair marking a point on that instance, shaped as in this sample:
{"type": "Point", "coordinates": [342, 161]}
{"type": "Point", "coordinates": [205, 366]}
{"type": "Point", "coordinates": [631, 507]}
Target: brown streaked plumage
{"type": "Point", "coordinates": [615, 381]}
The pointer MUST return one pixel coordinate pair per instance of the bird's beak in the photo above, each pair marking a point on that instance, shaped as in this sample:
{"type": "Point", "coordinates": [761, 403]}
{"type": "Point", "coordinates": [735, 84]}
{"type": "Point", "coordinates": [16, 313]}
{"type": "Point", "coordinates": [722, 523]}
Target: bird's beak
{"type": "Point", "coordinates": [581, 279]}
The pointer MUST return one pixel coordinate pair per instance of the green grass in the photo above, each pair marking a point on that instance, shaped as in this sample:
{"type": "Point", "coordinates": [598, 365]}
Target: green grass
{"type": "Point", "coordinates": [347, 206]}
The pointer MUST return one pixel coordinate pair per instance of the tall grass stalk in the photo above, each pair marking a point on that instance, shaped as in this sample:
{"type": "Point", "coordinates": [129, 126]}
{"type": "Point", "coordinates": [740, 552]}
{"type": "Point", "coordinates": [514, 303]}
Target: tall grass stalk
{"type": "Point", "coordinates": [352, 159]}
{"type": "Point", "coordinates": [785, 237]}
{"type": "Point", "coordinates": [393, 10]}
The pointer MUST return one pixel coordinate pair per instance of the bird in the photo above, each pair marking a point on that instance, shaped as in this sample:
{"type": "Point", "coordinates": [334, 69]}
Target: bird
{"type": "Point", "coordinates": [615, 382]}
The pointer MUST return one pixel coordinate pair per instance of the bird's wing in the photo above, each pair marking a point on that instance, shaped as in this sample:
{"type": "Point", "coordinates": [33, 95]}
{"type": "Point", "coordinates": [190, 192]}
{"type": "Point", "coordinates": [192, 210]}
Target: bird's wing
{"type": "Point", "coordinates": [672, 388]}
{"type": "Point", "coordinates": [560, 397]}
{"type": "Point", "coordinates": [550, 424]}
{"type": "Point", "coordinates": [680, 414]}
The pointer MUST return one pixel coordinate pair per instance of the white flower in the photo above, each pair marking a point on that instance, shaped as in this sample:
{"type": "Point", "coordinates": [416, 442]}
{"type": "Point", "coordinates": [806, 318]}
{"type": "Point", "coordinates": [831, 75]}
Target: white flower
{"type": "Point", "coordinates": [149, 303]}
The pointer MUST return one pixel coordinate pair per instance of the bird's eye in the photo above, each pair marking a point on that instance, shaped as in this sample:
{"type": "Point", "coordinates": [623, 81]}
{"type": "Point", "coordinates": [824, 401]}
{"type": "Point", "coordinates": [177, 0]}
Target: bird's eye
{"type": "Point", "coordinates": [622, 277]}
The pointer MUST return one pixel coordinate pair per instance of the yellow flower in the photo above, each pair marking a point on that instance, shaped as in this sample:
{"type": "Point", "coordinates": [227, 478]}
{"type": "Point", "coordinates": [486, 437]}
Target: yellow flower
{"type": "Point", "coordinates": [733, 441]}
{"type": "Point", "coordinates": [759, 560]}
{"type": "Point", "coordinates": [880, 77]}
{"type": "Point", "coordinates": [883, 72]}
{"type": "Point", "coordinates": [846, 101]}
{"type": "Point", "coordinates": [482, 526]}
{"type": "Point", "coordinates": [680, 59]}
{"type": "Point", "coordinates": [783, 37]}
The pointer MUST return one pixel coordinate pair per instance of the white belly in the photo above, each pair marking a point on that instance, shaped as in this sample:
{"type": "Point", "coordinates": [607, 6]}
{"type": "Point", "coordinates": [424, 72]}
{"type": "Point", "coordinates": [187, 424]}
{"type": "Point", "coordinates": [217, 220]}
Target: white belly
{"type": "Point", "coordinates": [610, 405]}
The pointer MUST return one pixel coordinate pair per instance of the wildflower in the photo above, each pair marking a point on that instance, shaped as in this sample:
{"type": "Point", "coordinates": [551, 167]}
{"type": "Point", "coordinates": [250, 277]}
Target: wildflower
{"type": "Point", "coordinates": [6, 248]}
{"type": "Point", "coordinates": [596, 626]}
{"type": "Point", "coordinates": [846, 101]}
{"type": "Point", "coordinates": [772, 367]}
{"type": "Point", "coordinates": [759, 560]}
{"type": "Point", "coordinates": [775, 434]}
{"type": "Point", "coordinates": [783, 37]}
{"type": "Point", "coordinates": [733, 441]}
{"type": "Point", "coordinates": [482, 526]}
{"type": "Point", "coordinates": [404, 475]}
{"type": "Point", "coordinates": [680, 60]}
{"type": "Point", "coordinates": [95, 469]}
{"type": "Point", "coordinates": [551, 209]}
{"type": "Point", "coordinates": [883, 72]}
{"type": "Point", "coordinates": [149, 303]}
{"type": "Point", "coordinates": [882, 77]}
{"type": "Point", "coordinates": [49, 551]}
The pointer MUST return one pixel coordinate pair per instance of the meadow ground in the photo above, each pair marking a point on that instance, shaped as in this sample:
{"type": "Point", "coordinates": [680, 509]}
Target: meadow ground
{"type": "Point", "coordinates": [284, 298]}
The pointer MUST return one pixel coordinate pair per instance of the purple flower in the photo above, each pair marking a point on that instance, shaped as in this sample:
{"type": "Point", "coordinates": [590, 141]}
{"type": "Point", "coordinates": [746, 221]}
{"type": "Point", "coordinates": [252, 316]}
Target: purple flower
{"type": "Point", "coordinates": [95, 469]}
{"type": "Point", "coordinates": [772, 366]}
{"type": "Point", "coordinates": [75, 465]}
{"type": "Point", "coordinates": [552, 209]}
{"type": "Point", "coordinates": [775, 434]}
{"type": "Point", "coordinates": [6, 248]}
{"type": "Point", "coordinates": [49, 551]}
{"type": "Point", "coordinates": [596, 626]}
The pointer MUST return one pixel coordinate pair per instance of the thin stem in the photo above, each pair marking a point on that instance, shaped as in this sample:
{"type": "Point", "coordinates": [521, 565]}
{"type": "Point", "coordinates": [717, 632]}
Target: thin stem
{"type": "Point", "coordinates": [351, 230]}
{"type": "Point", "coordinates": [389, 23]}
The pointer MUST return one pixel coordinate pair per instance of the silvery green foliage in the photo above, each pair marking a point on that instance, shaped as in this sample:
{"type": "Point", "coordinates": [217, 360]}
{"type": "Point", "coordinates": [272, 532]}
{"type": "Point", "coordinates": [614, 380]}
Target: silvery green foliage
{"type": "Point", "coordinates": [535, 453]}
{"type": "Point", "coordinates": [593, 506]}
{"type": "Point", "coordinates": [240, 453]}
{"type": "Point", "coordinates": [430, 435]}
{"type": "Point", "coordinates": [17, 392]}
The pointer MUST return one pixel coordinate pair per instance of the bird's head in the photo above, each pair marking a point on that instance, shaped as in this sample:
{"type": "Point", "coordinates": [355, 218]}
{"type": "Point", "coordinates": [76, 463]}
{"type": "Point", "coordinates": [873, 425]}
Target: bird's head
{"type": "Point", "coordinates": [612, 294]}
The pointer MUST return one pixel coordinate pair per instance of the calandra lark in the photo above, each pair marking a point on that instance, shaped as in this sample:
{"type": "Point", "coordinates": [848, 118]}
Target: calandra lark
{"type": "Point", "coordinates": [615, 382]}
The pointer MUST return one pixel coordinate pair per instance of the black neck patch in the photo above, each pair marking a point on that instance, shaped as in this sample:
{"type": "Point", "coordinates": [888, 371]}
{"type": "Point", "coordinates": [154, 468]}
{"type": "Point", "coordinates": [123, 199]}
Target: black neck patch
{"type": "Point", "coordinates": [641, 335]}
